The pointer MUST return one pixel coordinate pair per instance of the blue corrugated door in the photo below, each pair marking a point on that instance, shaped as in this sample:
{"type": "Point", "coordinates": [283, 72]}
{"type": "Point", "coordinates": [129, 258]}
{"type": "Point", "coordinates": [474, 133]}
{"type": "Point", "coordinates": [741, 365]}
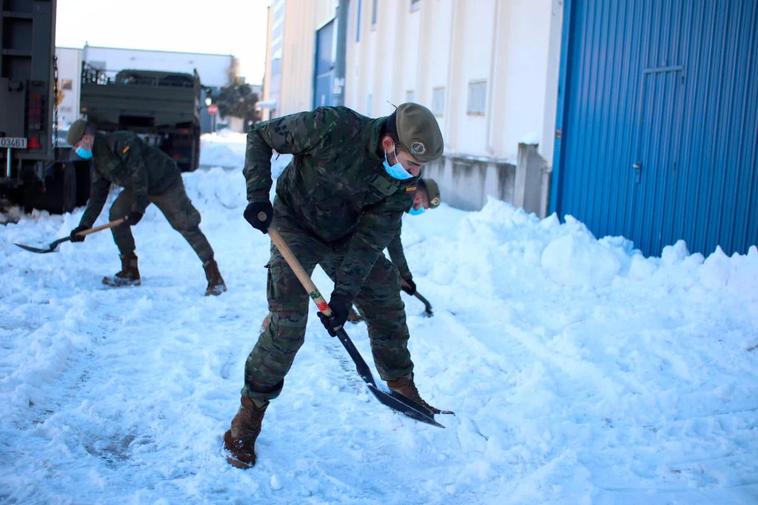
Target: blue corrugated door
{"type": "Point", "coordinates": [324, 67]}
{"type": "Point", "coordinates": [658, 121]}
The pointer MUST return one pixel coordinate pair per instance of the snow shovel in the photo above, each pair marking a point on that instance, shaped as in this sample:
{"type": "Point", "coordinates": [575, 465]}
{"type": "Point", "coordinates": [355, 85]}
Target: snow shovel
{"type": "Point", "coordinates": [393, 400]}
{"type": "Point", "coordinates": [427, 306]}
{"type": "Point", "coordinates": [55, 243]}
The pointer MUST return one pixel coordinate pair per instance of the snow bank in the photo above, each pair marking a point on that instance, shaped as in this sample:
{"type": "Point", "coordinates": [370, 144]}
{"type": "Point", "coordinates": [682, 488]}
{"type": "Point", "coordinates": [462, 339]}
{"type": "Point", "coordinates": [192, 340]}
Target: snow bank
{"type": "Point", "coordinates": [222, 149]}
{"type": "Point", "coordinates": [226, 149]}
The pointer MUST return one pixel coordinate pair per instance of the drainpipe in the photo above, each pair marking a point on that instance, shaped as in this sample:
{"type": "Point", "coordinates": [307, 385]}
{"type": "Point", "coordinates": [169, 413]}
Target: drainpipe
{"type": "Point", "coordinates": [338, 87]}
{"type": "Point", "coordinates": [494, 59]}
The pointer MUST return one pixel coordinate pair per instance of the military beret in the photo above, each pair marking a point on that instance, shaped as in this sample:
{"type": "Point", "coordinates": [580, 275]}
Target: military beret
{"type": "Point", "coordinates": [432, 192]}
{"type": "Point", "coordinates": [76, 131]}
{"type": "Point", "coordinates": [418, 132]}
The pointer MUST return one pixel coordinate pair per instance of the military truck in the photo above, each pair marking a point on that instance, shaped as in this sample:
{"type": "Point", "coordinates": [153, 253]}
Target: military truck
{"type": "Point", "coordinates": [36, 171]}
{"type": "Point", "coordinates": [163, 108]}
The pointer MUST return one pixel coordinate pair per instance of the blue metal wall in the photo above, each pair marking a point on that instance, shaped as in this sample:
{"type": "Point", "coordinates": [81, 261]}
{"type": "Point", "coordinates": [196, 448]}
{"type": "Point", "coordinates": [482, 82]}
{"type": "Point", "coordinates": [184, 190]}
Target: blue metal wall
{"type": "Point", "coordinates": [657, 127]}
{"type": "Point", "coordinates": [323, 78]}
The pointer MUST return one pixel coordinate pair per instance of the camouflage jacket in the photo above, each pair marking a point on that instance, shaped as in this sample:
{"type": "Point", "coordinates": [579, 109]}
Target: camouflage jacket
{"type": "Point", "coordinates": [336, 184]}
{"type": "Point", "coordinates": [123, 159]}
{"type": "Point", "coordinates": [397, 255]}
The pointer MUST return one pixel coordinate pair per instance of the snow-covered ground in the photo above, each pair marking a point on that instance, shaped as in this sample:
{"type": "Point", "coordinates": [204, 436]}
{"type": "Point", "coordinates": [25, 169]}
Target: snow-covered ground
{"type": "Point", "coordinates": [580, 371]}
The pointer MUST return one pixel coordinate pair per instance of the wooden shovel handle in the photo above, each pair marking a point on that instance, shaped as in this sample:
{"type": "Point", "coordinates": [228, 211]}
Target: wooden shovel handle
{"type": "Point", "coordinates": [300, 272]}
{"type": "Point", "coordinates": [101, 227]}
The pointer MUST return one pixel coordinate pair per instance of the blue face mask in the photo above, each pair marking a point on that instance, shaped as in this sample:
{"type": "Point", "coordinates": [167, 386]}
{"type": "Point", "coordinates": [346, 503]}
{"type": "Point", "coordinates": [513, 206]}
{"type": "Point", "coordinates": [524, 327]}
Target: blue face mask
{"type": "Point", "coordinates": [395, 171]}
{"type": "Point", "coordinates": [416, 212]}
{"type": "Point", "coordinates": [83, 153]}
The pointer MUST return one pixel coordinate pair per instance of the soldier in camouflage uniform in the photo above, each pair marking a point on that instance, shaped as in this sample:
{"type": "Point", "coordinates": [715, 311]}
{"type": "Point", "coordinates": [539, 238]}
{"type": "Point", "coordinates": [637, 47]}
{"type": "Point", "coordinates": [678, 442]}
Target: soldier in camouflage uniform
{"type": "Point", "coordinates": [427, 196]}
{"type": "Point", "coordinates": [338, 204]}
{"type": "Point", "coordinates": [148, 176]}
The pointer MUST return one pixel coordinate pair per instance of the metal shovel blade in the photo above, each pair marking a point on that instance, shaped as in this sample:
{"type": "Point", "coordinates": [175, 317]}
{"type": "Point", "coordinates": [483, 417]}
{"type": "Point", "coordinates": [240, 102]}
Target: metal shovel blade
{"type": "Point", "coordinates": [394, 401]}
{"type": "Point", "coordinates": [51, 248]}
{"type": "Point", "coordinates": [55, 243]}
{"type": "Point", "coordinates": [404, 405]}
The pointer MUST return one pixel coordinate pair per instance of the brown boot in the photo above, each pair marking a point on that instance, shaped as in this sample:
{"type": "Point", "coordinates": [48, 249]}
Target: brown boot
{"type": "Point", "coordinates": [129, 274]}
{"type": "Point", "coordinates": [239, 439]}
{"type": "Point", "coordinates": [216, 284]}
{"type": "Point", "coordinates": [406, 387]}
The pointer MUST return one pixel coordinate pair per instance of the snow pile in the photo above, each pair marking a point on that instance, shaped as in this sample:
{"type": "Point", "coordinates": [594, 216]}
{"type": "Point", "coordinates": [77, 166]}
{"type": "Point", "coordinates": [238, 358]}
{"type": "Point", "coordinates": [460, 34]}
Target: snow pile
{"type": "Point", "coordinates": [580, 371]}
{"type": "Point", "coordinates": [222, 149]}
{"type": "Point", "coordinates": [226, 149]}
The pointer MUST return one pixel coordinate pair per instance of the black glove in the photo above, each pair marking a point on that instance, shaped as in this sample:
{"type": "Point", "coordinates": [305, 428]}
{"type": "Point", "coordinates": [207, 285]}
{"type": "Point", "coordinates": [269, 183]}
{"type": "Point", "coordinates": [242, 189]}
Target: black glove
{"type": "Point", "coordinates": [340, 305]}
{"type": "Point", "coordinates": [78, 238]}
{"type": "Point", "coordinates": [252, 215]}
{"type": "Point", "coordinates": [133, 218]}
{"type": "Point", "coordinates": [407, 285]}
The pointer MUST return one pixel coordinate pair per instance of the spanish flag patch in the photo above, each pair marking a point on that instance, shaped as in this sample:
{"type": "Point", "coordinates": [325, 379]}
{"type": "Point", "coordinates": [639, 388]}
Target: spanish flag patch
{"type": "Point", "coordinates": [410, 189]}
{"type": "Point", "coordinates": [125, 150]}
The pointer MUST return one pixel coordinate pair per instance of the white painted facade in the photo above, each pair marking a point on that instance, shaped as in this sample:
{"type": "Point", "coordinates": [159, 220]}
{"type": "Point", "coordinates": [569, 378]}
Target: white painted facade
{"type": "Point", "coordinates": [69, 84]}
{"type": "Point", "coordinates": [509, 49]}
{"type": "Point", "coordinates": [488, 69]}
{"type": "Point", "coordinates": [216, 70]}
{"type": "Point", "coordinates": [288, 81]}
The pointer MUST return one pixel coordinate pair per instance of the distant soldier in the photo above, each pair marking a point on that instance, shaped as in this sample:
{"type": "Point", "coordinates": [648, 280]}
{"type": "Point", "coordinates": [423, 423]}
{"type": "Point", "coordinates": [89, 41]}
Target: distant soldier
{"type": "Point", "coordinates": [148, 176]}
{"type": "Point", "coordinates": [338, 204]}
{"type": "Point", "coordinates": [427, 196]}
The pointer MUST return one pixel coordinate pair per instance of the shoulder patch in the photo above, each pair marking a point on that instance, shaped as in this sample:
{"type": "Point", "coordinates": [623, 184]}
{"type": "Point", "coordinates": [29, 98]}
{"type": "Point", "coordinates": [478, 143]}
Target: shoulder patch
{"type": "Point", "coordinates": [382, 185]}
{"type": "Point", "coordinates": [410, 189]}
{"type": "Point", "coordinates": [125, 150]}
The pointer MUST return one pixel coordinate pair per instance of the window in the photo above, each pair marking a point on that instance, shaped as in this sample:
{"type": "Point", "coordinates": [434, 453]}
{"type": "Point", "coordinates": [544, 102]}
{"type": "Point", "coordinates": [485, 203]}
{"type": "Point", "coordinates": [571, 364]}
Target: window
{"type": "Point", "coordinates": [358, 22]}
{"type": "Point", "coordinates": [477, 97]}
{"type": "Point", "coordinates": [438, 101]}
{"type": "Point", "coordinates": [374, 12]}
{"type": "Point", "coordinates": [410, 95]}
{"type": "Point", "coordinates": [415, 5]}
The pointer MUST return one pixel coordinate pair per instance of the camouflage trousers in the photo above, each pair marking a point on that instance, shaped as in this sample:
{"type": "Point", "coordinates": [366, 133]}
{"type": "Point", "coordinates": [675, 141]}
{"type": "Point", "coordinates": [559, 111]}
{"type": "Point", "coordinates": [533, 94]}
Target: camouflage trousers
{"type": "Point", "coordinates": [179, 211]}
{"type": "Point", "coordinates": [283, 330]}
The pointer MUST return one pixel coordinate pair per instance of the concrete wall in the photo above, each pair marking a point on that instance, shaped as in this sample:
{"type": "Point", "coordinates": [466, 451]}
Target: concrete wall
{"type": "Point", "coordinates": [467, 182]}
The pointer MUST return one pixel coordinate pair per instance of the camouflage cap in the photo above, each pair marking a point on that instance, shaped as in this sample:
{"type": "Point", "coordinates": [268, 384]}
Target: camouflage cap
{"type": "Point", "coordinates": [432, 192]}
{"type": "Point", "coordinates": [418, 132]}
{"type": "Point", "coordinates": [76, 131]}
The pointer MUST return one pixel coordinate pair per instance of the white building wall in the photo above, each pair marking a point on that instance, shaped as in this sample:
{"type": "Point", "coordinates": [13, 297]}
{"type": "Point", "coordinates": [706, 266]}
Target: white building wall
{"type": "Point", "coordinates": [294, 89]}
{"type": "Point", "coordinates": [69, 84]}
{"type": "Point", "coordinates": [512, 45]}
{"type": "Point", "coordinates": [216, 70]}
{"type": "Point", "coordinates": [525, 66]}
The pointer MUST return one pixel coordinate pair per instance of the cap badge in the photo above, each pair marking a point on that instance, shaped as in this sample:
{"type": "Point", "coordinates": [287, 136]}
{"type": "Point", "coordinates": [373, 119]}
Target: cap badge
{"type": "Point", "coordinates": [418, 148]}
{"type": "Point", "coordinates": [435, 201]}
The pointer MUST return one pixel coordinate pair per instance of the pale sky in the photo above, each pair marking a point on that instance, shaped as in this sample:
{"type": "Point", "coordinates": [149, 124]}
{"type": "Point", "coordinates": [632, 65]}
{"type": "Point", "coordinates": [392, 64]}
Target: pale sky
{"type": "Point", "coordinates": [236, 27]}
